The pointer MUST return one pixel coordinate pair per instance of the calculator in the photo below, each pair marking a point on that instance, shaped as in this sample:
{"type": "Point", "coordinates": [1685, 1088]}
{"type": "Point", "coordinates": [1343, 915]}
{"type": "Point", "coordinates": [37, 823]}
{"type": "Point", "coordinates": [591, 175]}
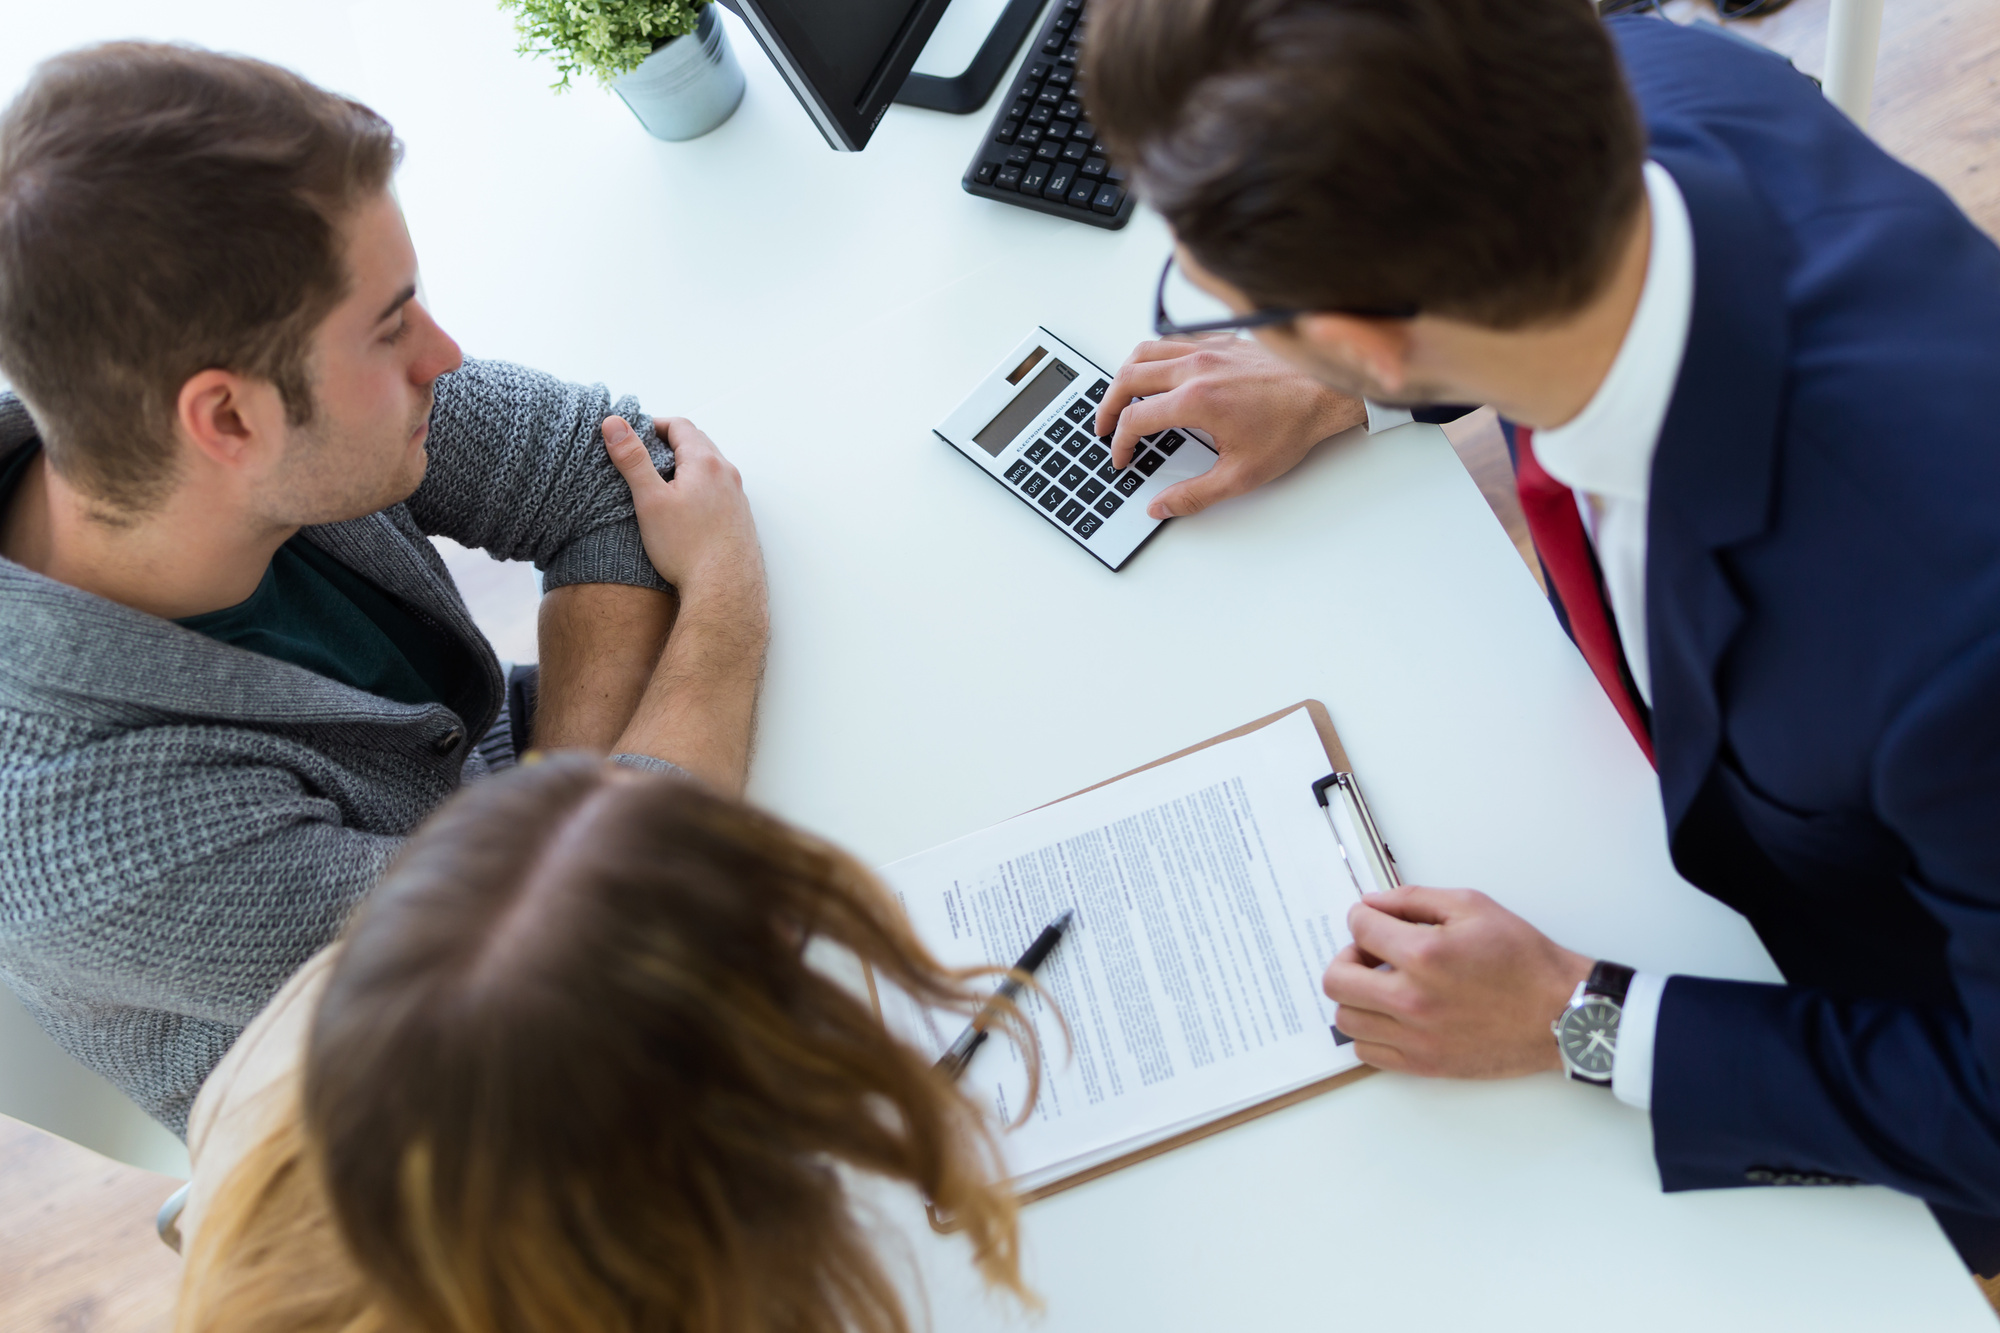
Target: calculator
{"type": "Point", "coordinates": [1030, 425]}
{"type": "Point", "coordinates": [1041, 150]}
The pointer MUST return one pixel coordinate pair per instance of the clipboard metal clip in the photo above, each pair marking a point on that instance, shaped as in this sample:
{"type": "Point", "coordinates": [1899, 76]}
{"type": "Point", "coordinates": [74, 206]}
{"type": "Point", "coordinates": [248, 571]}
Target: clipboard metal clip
{"type": "Point", "coordinates": [1381, 861]}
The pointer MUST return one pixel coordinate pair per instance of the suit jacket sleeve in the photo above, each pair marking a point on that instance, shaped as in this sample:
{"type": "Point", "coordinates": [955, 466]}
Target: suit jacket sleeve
{"type": "Point", "coordinates": [1752, 1081]}
{"type": "Point", "coordinates": [518, 469]}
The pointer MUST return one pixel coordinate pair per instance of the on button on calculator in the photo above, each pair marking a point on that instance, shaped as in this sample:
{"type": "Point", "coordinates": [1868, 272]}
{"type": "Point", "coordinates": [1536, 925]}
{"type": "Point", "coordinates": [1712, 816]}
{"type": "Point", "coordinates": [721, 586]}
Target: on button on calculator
{"type": "Point", "coordinates": [1088, 524]}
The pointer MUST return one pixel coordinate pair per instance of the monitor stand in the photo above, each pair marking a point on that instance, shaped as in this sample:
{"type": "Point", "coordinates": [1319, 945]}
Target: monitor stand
{"type": "Point", "coordinates": [968, 92]}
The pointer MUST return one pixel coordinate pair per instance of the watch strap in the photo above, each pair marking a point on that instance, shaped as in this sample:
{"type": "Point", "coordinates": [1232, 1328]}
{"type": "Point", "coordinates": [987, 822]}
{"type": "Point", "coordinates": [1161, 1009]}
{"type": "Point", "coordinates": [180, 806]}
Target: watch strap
{"type": "Point", "coordinates": [1611, 980]}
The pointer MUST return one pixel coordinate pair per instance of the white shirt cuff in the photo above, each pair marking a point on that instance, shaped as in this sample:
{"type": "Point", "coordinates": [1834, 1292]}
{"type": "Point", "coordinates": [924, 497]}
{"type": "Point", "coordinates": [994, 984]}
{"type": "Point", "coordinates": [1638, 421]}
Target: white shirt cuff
{"type": "Point", "coordinates": [1638, 1020]}
{"type": "Point", "coordinates": [1382, 418]}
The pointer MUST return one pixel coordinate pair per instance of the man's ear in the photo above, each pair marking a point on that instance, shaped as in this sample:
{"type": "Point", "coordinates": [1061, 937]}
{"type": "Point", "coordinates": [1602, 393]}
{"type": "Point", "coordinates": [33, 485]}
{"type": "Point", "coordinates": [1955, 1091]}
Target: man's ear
{"type": "Point", "coordinates": [225, 417]}
{"type": "Point", "coordinates": [1379, 349]}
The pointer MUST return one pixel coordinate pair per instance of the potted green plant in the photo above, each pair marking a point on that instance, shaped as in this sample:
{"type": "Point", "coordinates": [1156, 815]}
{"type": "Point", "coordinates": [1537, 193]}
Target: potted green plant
{"type": "Point", "coordinates": [669, 60]}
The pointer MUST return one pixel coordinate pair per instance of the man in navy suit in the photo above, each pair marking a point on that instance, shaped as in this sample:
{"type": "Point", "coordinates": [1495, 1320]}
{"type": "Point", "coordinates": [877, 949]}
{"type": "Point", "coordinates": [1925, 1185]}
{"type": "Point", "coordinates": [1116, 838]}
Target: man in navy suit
{"type": "Point", "coordinates": [1747, 362]}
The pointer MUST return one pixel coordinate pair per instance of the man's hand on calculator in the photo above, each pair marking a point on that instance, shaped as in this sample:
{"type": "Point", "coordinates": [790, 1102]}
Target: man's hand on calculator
{"type": "Point", "coordinates": [1263, 415]}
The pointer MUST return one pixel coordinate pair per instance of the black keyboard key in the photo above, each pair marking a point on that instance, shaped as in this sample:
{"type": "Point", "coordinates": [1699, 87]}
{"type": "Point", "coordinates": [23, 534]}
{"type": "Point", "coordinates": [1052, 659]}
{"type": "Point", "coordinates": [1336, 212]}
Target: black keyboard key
{"type": "Point", "coordinates": [1108, 473]}
{"type": "Point", "coordinates": [1116, 175]}
{"type": "Point", "coordinates": [1107, 200]}
{"type": "Point", "coordinates": [1053, 97]}
{"type": "Point", "coordinates": [1058, 129]}
{"type": "Point", "coordinates": [1058, 76]}
{"type": "Point", "coordinates": [1075, 150]}
{"type": "Point", "coordinates": [1018, 471]}
{"type": "Point", "coordinates": [1059, 180]}
{"type": "Point", "coordinates": [1082, 192]}
{"type": "Point", "coordinates": [1074, 477]}
{"type": "Point", "coordinates": [1020, 157]}
{"type": "Point", "coordinates": [1078, 410]}
{"type": "Point", "coordinates": [1169, 442]}
{"type": "Point", "coordinates": [1108, 505]}
{"type": "Point", "coordinates": [1089, 491]}
{"type": "Point", "coordinates": [1056, 431]}
{"type": "Point", "coordinates": [1040, 117]}
{"type": "Point", "coordinates": [1008, 129]}
{"type": "Point", "coordinates": [1067, 110]}
{"type": "Point", "coordinates": [1054, 464]}
{"type": "Point", "coordinates": [1068, 55]}
{"type": "Point", "coordinates": [1085, 130]}
{"type": "Point", "coordinates": [1035, 177]}
{"type": "Point", "coordinates": [1048, 150]}
{"type": "Point", "coordinates": [1039, 70]}
{"type": "Point", "coordinates": [1074, 444]}
{"type": "Point", "coordinates": [1008, 179]}
{"type": "Point", "coordinates": [1093, 166]}
{"type": "Point", "coordinates": [1054, 46]}
{"type": "Point", "coordinates": [1069, 513]}
{"type": "Point", "coordinates": [1033, 485]}
{"type": "Point", "coordinates": [1030, 135]}
{"type": "Point", "coordinates": [986, 172]}
{"type": "Point", "coordinates": [1088, 524]}
{"type": "Point", "coordinates": [1064, 21]}
{"type": "Point", "coordinates": [1038, 451]}
{"type": "Point", "coordinates": [1052, 497]}
{"type": "Point", "coordinates": [1129, 482]}
{"type": "Point", "coordinates": [1095, 393]}
{"type": "Point", "coordinates": [1029, 89]}
{"type": "Point", "coordinates": [1149, 462]}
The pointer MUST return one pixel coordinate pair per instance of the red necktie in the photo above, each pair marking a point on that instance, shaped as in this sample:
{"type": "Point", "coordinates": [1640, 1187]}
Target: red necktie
{"type": "Point", "coordinates": [1557, 528]}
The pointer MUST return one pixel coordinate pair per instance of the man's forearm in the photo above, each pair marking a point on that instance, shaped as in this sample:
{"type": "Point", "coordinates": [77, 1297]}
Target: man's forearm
{"type": "Point", "coordinates": [600, 648]}
{"type": "Point", "coordinates": [700, 708]}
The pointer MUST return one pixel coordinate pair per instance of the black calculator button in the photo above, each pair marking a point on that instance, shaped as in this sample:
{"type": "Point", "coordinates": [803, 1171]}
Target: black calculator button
{"type": "Point", "coordinates": [1078, 410]}
{"type": "Point", "coordinates": [1008, 179]}
{"type": "Point", "coordinates": [1035, 177]}
{"type": "Point", "coordinates": [1094, 455]}
{"type": "Point", "coordinates": [1095, 393]}
{"type": "Point", "coordinates": [1069, 513]}
{"type": "Point", "coordinates": [1169, 442]}
{"type": "Point", "coordinates": [1089, 491]}
{"type": "Point", "coordinates": [1088, 524]}
{"type": "Point", "coordinates": [986, 172]}
{"type": "Point", "coordinates": [1130, 482]}
{"type": "Point", "coordinates": [1056, 431]}
{"type": "Point", "coordinates": [1018, 471]}
{"type": "Point", "coordinates": [1033, 485]}
{"type": "Point", "coordinates": [1108, 473]}
{"type": "Point", "coordinates": [1038, 451]}
{"type": "Point", "coordinates": [1059, 179]}
{"type": "Point", "coordinates": [1108, 199]}
{"type": "Point", "coordinates": [1149, 463]}
{"type": "Point", "coordinates": [1074, 444]}
{"type": "Point", "coordinates": [1054, 464]}
{"type": "Point", "coordinates": [1052, 497]}
{"type": "Point", "coordinates": [1074, 477]}
{"type": "Point", "coordinates": [1093, 167]}
{"type": "Point", "coordinates": [1108, 505]}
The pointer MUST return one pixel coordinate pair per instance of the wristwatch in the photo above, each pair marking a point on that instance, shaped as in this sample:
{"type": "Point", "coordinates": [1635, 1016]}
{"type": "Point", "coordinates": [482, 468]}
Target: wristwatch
{"type": "Point", "coordinates": [1587, 1031]}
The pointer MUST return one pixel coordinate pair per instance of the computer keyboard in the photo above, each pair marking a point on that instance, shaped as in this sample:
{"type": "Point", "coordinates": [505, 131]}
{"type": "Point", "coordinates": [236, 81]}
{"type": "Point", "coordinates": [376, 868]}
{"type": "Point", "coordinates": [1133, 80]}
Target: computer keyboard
{"type": "Point", "coordinates": [1041, 151]}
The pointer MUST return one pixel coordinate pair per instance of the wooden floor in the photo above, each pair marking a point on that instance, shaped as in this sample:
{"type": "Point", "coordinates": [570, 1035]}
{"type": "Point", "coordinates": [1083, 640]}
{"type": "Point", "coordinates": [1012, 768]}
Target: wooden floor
{"type": "Point", "coordinates": [1937, 107]}
{"type": "Point", "coordinates": [77, 1249]}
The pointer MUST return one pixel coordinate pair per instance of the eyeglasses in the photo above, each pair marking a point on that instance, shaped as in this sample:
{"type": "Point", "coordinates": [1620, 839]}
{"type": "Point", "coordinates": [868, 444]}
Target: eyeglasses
{"type": "Point", "coordinates": [1164, 325]}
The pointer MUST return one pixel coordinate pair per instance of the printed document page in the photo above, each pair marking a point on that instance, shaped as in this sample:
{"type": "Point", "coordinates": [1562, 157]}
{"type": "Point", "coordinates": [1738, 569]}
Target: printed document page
{"type": "Point", "coordinates": [1210, 894]}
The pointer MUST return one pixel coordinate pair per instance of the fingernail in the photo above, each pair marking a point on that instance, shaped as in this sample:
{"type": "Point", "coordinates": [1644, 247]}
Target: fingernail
{"type": "Point", "coordinates": [619, 432]}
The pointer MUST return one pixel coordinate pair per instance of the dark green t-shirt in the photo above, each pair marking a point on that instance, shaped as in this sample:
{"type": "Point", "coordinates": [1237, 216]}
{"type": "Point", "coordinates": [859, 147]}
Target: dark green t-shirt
{"type": "Point", "coordinates": [314, 612]}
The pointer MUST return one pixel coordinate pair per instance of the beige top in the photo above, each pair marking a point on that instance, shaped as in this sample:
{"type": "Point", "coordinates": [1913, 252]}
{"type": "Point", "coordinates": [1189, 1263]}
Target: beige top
{"type": "Point", "coordinates": [242, 1100]}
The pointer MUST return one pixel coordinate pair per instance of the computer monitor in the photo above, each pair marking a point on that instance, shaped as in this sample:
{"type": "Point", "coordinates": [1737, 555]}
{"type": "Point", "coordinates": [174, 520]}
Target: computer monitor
{"type": "Point", "coordinates": [847, 60]}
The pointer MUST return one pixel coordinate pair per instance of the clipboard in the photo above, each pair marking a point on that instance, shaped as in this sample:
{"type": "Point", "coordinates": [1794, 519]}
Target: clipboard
{"type": "Point", "coordinates": [1344, 788]}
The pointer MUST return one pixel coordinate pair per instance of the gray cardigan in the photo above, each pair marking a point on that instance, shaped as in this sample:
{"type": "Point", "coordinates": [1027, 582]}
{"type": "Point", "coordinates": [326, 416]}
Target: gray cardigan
{"type": "Point", "coordinates": [183, 823]}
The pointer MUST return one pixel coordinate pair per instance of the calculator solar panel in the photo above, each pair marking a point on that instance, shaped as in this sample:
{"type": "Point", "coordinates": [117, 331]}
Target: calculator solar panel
{"type": "Point", "coordinates": [1041, 151]}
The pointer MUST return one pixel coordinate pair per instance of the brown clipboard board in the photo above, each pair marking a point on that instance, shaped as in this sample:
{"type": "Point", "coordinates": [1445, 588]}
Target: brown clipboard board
{"type": "Point", "coordinates": [1336, 755]}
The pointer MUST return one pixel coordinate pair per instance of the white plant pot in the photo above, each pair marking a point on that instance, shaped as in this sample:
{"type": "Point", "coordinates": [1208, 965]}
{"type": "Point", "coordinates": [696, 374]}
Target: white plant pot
{"type": "Point", "coordinates": [687, 87]}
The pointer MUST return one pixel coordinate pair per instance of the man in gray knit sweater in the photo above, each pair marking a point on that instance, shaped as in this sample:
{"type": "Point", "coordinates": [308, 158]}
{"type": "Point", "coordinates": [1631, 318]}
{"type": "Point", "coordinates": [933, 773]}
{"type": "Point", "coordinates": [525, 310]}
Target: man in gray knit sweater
{"type": "Point", "coordinates": [234, 674]}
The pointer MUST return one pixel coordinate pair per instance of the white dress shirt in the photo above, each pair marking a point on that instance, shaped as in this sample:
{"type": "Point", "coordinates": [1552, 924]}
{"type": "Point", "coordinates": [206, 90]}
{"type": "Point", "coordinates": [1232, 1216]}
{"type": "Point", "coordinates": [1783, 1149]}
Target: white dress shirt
{"type": "Point", "coordinates": [1605, 455]}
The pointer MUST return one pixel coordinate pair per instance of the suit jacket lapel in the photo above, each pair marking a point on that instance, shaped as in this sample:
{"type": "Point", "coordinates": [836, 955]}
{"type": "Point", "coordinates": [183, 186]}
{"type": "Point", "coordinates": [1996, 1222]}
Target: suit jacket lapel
{"type": "Point", "coordinates": [1714, 469]}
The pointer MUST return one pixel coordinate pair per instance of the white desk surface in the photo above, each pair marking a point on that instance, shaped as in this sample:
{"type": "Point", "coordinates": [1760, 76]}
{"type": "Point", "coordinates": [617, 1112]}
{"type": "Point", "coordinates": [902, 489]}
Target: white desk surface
{"type": "Point", "coordinates": [940, 660]}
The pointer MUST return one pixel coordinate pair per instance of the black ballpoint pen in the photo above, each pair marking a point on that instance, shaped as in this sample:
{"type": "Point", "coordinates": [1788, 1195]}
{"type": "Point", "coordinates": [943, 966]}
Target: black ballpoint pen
{"type": "Point", "coordinates": [960, 1053]}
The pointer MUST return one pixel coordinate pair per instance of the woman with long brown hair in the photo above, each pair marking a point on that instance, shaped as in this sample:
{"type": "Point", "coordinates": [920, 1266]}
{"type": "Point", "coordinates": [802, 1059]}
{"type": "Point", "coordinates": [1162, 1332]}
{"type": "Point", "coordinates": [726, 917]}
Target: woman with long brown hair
{"type": "Point", "coordinates": [577, 1064]}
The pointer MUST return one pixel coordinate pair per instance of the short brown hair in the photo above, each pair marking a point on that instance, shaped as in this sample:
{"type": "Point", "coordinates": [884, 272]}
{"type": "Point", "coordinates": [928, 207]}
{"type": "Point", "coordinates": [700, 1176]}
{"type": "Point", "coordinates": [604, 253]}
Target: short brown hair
{"type": "Point", "coordinates": [166, 210]}
{"type": "Point", "coordinates": [574, 1070]}
{"type": "Point", "coordinates": [1473, 158]}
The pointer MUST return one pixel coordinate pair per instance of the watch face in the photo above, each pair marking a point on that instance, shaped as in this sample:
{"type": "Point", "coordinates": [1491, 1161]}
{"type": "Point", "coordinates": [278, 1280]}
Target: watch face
{"type": "Point", "coordinates": [1589, 1037]}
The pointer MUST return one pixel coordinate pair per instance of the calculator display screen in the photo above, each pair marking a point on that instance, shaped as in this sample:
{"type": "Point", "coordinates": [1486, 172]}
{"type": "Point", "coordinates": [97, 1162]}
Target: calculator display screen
{"type": "Point", "coordinates": [1014, 418]}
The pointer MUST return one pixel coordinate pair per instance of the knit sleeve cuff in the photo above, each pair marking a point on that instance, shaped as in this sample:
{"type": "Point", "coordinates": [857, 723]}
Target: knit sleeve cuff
{"type": "Point", "coordinates": [610, 554]}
